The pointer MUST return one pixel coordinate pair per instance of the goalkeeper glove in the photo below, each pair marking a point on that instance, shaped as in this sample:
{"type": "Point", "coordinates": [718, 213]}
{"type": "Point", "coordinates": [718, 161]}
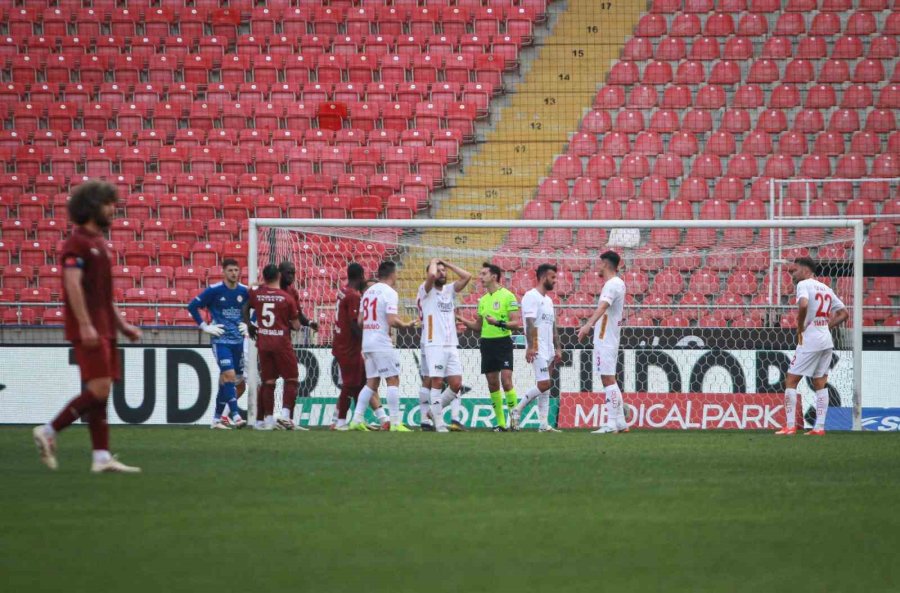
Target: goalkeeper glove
{"type": "Point", "coordinates": [242, 327]}
{"type": "Point", "coordinates": [213, 329]}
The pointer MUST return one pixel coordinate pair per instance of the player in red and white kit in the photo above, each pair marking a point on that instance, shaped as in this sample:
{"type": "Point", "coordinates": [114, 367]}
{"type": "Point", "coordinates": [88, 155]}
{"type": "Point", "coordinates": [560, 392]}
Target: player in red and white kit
{"type": "Point", "coordinates": [819, 310]}
{"type": "Point", "coordinates": [91, 322]}
{"type": "Point", "coordinates": [606, 322]}
{"type": "Point", "coordinates": [377, 315]}
{"type": "Point", "coordinates": [276, 316]}
{"type": "Point", "coordinates": [347, 350]}
{"type": "Point", "coordinates": [436, 300]}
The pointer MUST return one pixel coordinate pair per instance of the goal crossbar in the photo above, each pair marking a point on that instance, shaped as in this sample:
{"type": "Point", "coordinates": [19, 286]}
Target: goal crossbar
{"type": "Point", "coordinates": [422, 224]}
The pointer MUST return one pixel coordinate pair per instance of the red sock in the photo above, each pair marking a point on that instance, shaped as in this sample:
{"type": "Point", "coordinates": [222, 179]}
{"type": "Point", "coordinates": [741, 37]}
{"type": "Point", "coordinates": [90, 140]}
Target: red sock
{"type": "Point", "coordinates": [74, 410]}
{"type": "Point", "coordinates": [99, 426]}
{"type": "Point", "coordinates": [270, 400]}
{"type": "Point", "coordinates": [289, 399]}
{"type": "Point", "coordinates": [343, 403]}
{"type": "Point", "coordinates": [260, 399]}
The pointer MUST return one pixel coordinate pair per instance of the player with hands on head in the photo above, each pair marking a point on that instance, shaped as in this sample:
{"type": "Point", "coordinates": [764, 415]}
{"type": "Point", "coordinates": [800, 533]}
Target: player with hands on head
{"type": "Point", "coordinates": [436, 299]}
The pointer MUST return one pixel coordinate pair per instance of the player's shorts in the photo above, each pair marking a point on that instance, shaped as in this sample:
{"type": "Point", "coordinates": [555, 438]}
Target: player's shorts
{"type": "Point", "coordinates": [384, 364]}
{"type": "Point", "coordinates": [605, 360]}
{"type": "Point", "coordinates": [442, 361]}
{"type": "Point", "coordinates": [496, 355]}
{"type": "Point", "coordinates": [541, 368]}
{"type": "Point", "coordinates": [99, 362]}
{"type": "Point", "coordinates": [230, 357]}
{"type": "Point", "coordinates": [811, 364]}
{"type": "Point", "coordinates": [278, 363]}
{"type": "Point", "coordinates": [352, 370]}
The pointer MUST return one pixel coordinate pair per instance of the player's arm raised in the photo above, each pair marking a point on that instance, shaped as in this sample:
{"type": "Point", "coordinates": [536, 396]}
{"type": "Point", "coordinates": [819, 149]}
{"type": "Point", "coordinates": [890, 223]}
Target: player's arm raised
{"type": "Point", "coordinates": [75, 294]}
{"type": "Point", "coordinates": [599, 312]}
{"type": "Point", "coordinates": [464, 276]}
{"type": "Point", "coordinates": [431, 276]}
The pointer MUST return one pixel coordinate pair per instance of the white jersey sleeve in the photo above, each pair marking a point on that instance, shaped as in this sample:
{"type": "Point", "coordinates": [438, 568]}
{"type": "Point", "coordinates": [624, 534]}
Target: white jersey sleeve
{"type": "Point", "coordinates": [530, 304]}
{"type": "Point", "coordinates": [820, 302]}
{"type": "Point", "coordinates": [607, 330]}
{"type": "Point", "coordinates": [540, 308]}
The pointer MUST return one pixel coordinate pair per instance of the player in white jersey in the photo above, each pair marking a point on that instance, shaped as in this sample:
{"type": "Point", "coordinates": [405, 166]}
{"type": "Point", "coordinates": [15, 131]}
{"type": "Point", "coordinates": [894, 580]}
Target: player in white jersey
{"type": "Point", "coordinates": [819, 310]}
{"type": "Point", "coordinates": [377, 315]}
{"type": "Point", "coordinates": [440, 358]}
{"type": "Point", "coordinates": [543, 349]}
{"type": "Point", "coordinates": [606, 322]}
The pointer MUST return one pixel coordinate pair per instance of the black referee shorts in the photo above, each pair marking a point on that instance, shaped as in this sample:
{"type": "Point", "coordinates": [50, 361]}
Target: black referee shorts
{"type": "Point", "coordinates": [496, 354]}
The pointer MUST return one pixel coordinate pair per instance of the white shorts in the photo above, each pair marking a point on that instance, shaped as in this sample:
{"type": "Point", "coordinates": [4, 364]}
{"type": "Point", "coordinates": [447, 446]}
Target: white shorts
{"type": "Point", "coordinates": [441, 361]}
{"type": "Point", "coordinates": [423, 363]}
{"type": "Point", "coordinates": [541, 367]}
{"type": "Point", "coordinates": [811, 364]}
{"type": "Point", "coordinates": [605, 360]}
{"type": "Point", "coordinates": [382, 364]}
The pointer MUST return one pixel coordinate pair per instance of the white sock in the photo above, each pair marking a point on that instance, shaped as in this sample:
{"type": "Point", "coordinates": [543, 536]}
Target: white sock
{"type": "Point", "coordinates": [101, 456]}
{"type": "Point", "coordinates": [381, 414]}
{"type": "Point", "coordinates": [49, 432]}
{"type": "Point", "coordinates": [821, 407]}
{"type": "Point", "coordinates": [286, 413]}
{"type": "Point", "coordinates": [437, 407]}
{"type": "Point", "coordinates": [362, 403]}
{"type": "Point", "coordinates": [526, 399]}
{"type": "Point", "coordinates": [790, 407]}
{"type": "Point", "coordinates": [543, 404]}
{"type": "Point", "coordinates": [447, 397]}
{"type": "Point", "coordinates": [613, 405]}
{"type": "Point", "coordinates": [456, 409]}
{"type": "Point", "coordinates": [341, 422]}
{"type": "Point", "coordinates": [270, 419]}
{"type": "Point", "coordinates": [393, 399]}
{"type": "Point", "coordinates": [424, 403]}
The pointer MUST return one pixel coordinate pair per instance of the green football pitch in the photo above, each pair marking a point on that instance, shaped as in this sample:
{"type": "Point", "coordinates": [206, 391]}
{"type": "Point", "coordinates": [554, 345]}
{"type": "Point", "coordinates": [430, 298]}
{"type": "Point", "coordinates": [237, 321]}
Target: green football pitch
{"type": "Point", "coordinates": [321, 511]}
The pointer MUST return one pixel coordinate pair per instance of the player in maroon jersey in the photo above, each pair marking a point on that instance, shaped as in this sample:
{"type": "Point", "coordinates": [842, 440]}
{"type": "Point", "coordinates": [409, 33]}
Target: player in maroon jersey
{"type": "Point", "coordinates": [276, 316]}
{"type": "Point", "coordinates": [288, 273]}
{"type": "Point", "coordinates": [91, 322]}
{"type": "Point", "coordinates": [347, 350]}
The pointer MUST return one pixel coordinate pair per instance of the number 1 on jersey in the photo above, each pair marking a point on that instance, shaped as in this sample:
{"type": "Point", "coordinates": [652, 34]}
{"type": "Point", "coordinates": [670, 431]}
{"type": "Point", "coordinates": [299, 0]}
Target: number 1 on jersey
{"type": "Point", "coordinates": [373, 305]}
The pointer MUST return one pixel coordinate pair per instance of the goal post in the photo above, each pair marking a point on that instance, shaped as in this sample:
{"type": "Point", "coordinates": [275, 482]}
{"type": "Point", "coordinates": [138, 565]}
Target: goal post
{"type": "Point", "coordinates": [674, 323]}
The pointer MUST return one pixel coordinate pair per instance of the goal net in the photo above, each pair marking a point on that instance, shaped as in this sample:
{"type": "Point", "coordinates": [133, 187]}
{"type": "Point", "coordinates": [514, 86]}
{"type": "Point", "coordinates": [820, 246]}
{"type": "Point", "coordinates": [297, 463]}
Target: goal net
{"type": "Point", "coordinates": [708, 332]}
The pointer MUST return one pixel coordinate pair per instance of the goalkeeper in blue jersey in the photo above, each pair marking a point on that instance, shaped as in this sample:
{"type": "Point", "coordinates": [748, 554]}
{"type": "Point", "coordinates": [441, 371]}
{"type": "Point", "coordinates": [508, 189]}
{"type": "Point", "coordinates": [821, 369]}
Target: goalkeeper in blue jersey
{"type": "Point", "coordinates": [224, 301]}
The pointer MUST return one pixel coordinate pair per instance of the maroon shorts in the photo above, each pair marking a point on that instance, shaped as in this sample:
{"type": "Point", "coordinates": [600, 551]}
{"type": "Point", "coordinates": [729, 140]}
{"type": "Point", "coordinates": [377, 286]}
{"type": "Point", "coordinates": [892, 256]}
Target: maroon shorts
{"type": "Point", "coordinates": [99, 362]}
{"type": "Point", "coordinates": [278, 363]}
{"type": "Point", "coordinates": [353, 370]}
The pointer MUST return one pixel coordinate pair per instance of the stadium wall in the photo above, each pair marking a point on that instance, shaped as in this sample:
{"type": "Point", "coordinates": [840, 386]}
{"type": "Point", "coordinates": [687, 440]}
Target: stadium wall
{"type": "Point", "coordinates": [668, 387]}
